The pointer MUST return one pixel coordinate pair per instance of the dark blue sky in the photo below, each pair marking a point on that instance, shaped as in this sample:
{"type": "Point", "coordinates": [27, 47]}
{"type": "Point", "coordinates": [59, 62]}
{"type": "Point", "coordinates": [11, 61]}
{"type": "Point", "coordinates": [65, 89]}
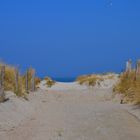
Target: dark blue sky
{"type": "Point", "coordinates": [63, 38]}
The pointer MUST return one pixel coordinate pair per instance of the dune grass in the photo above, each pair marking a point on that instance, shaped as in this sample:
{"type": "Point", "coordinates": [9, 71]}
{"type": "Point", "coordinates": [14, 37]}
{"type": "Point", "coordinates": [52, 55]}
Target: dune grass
{"type": "Point", "coordinates": [9, 80]}
{"type": "Point", "coordinates": [89, 79]}
{"type": "Point", "coordinates": [37, 81]}
{"type": "Point", "coordinates": [129, 87]}
{"type": "Point", "coordinates": [49, 81]}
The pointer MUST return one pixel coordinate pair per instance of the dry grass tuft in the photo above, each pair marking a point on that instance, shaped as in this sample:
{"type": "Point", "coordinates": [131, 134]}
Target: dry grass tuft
{"type": "Point", "coordinates": [129, 87]}
{"type": "Point", "coordinates": [89, 79]}
{"type": "Point", "coordinates": [10, 81]}
{"type": "Point", "coordinates": [37, 81]}
{"type": "Point", "coordinates": [49, 82]}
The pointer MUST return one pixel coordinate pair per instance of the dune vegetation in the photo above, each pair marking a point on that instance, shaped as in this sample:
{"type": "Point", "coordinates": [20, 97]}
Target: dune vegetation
{"type": "Point", "coordinates": [37, 81]}
{"type": "Point", "coordinates": [9, 81]}
{"type": "Point", "coordinates": [129, 87]}
{"type": "Point", "coordinates": [49, 81]}
{"type": "Point", "coordinates": [15, 81]}
{"type": "Point", "coordinates": [89, 79]}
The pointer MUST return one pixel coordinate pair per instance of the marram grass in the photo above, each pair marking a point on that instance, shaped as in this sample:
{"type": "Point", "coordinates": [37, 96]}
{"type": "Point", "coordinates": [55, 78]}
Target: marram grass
{"type": "Point", "coordinates": [89, 79]}
{"type": "Point", "coordinates": [129, 87]}
{"type": "Point", "coordinates": [49, 82]}
{"type": "Point", "coordinates": [10, 84]}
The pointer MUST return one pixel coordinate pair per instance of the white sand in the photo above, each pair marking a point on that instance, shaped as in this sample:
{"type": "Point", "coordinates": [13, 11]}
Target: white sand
{"type": "Point", "coordinates": [68, 111]}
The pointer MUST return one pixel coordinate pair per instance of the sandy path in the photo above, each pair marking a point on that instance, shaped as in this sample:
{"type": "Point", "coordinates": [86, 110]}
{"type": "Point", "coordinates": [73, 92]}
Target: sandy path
{"type": "Point", "coordinates": [72, 112]}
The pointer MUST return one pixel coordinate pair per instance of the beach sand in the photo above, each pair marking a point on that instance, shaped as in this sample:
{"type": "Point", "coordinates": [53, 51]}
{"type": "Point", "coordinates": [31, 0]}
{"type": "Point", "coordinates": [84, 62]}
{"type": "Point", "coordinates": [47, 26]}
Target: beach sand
{"type": "Point", "coordinates": [68, 111]}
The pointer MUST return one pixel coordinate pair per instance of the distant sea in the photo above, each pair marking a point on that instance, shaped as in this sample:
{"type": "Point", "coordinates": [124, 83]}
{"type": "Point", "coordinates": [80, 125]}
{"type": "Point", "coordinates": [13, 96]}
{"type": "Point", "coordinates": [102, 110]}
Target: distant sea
{"type": "Point", "coordinates": [66, 79]}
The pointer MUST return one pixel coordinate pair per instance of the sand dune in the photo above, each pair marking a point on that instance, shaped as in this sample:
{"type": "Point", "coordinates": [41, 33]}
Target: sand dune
{"type": "Point", "coordinates": [68, 111]}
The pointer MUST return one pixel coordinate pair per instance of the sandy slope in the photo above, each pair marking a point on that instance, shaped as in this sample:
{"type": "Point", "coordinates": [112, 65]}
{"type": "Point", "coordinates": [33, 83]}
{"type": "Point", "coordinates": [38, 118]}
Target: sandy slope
{"type": "Point", "coordinates": [69, 111]}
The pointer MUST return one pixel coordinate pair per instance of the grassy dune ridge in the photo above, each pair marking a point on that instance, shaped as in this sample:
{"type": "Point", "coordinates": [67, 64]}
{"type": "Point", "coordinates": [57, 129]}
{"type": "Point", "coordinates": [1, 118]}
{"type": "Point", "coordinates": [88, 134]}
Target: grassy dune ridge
{"type": "Point", "coordinates": [9, 80]}
{"type": "Point", "coordinates": [94, 79]}
{"type": "Point", "coordinates": [129, 87]}
{"type": "Point", "coordinates": [88, 79]}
